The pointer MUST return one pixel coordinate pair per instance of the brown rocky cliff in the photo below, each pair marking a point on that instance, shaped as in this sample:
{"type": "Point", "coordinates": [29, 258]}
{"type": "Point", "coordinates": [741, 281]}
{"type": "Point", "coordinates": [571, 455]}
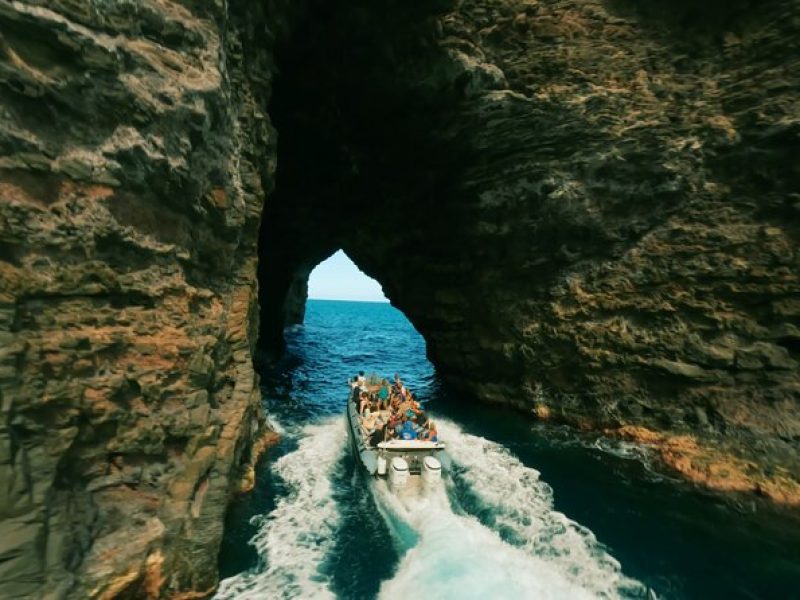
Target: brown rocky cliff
{"type": "Point", "coordinates": [135, 156]}
{"type": "Point", "coordinates": [643, 161]}
{"type": "Point", "coordinates": [589, 209]}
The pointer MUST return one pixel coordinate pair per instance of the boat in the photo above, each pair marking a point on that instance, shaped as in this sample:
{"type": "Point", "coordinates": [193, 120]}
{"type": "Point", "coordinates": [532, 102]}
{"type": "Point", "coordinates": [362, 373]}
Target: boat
{"type": "Point", "coordinates": [401, 463]}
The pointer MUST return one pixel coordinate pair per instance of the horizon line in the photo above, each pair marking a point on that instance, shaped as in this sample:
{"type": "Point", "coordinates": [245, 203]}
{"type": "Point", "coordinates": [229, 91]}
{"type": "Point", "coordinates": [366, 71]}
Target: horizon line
{"type": "Point", "coordinates": [384, 301]}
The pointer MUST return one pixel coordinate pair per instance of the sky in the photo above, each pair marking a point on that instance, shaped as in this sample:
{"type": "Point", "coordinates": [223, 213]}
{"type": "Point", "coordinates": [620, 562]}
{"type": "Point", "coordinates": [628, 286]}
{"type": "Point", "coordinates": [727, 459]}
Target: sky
{"type": "Point", "coordinates": [338, 278]}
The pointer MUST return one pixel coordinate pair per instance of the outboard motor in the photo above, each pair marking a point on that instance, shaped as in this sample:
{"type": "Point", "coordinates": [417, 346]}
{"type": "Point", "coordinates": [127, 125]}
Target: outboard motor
{"type": "Point", "coordinates": [398, 472]}
{"type": "Point", "coordinates": [431, 471]}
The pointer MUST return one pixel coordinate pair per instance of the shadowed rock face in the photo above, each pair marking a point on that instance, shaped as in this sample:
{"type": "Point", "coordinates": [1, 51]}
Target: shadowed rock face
{"type": "Point", "coordinates": [588, 208]}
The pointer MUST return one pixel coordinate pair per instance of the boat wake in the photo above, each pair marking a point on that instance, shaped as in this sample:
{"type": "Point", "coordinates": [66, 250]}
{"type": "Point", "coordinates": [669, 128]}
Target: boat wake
{"type": "Point", "coordinates": [294, 539]}
{"type": "Point", "coordinates": [490, 532]}
{"type": "Point", "coordinates": [521, 548]}
{"type": "Point", "coordinates": [456, 556]}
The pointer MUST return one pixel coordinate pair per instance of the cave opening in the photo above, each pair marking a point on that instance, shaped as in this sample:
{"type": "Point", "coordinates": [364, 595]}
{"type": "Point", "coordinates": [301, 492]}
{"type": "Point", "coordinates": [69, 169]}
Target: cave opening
{"type": "Point", "coordinates": [339, 278]}
{"type": "Point", "coordinates": [356, 92]}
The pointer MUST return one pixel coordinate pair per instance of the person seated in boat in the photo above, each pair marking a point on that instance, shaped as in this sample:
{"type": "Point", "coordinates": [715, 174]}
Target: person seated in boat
{"type": "Point", "coordinates": [381, 434]}
{"type": "Point", "coordinates": [383, 393]}
{"type": "Point", "coordinates": [413, 418]}
{"type": "Point", "coordinates": [425, 432]}
{"type": "Point", "coordinates": [376, 437]}
{"type": "Point", "coordinates": [384, 412]}
{"type": "Point", "coordinates": [355, 393]}
{"type": "Point", "coordinates": [393, 422]}
{"type": "Point", "coordinates": [430, 434]}
{"type": "Point", "coordinates": [421, 419]}
{"type": "Point", "coordinates": [407, 432]}
{"type": "Point", "coordinates": [398, 428]}
{"type": "Point", "coordinates": [362, 382]}
{"type": "Point", "coordinates": [409, 406]}
{"type": "Point", "coordinates": [363, 402]}
{"type": "Point", "coordinates": [375, 407]}
{"type": "Point", "coordinates": [371, 422]}
{"type": "Point", "coordinates": [397, 383]}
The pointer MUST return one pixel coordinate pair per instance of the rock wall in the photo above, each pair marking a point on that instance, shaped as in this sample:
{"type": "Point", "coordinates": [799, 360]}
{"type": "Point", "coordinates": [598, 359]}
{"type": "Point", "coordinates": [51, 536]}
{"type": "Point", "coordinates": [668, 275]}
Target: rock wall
{"type": "Point", "coordinates": [588, 208]}
{"type": "Point", "coordinates": [135, 154]}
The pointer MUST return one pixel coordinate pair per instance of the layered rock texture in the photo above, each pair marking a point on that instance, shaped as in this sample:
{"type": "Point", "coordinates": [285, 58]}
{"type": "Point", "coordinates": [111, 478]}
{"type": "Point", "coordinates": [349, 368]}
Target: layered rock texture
{"type": "Point", "coordinates": [590, 209]}
{"type": "Point", "coordinates": [135, 158]}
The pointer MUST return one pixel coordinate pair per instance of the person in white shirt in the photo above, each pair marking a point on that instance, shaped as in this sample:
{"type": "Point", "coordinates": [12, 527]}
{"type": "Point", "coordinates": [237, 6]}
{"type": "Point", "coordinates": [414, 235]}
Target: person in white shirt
{"type": "Point", "coordinates": [362, 381]}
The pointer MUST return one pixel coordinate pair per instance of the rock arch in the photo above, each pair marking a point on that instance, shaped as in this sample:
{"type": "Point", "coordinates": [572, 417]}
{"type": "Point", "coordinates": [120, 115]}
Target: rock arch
{"type": "Point", "coordinates": [586, 215]}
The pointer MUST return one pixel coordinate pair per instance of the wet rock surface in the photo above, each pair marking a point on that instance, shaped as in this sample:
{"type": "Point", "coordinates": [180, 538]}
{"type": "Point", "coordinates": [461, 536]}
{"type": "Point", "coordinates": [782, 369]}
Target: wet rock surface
{"type": "Point", "coordinates": [589, 209]}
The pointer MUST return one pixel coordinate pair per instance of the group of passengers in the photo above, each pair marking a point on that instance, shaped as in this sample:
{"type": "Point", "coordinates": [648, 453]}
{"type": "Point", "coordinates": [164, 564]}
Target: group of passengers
{"type": "Point", "coordinates": [389, 412]}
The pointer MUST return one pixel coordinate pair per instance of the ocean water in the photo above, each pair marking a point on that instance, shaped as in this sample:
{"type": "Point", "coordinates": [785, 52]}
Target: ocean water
{"type": "Point", "coordinates": [530, 511]}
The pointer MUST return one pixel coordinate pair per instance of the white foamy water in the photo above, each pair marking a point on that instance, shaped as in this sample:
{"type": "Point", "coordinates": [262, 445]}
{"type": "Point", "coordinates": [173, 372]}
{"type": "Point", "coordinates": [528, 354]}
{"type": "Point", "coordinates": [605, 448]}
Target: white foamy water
{"type": "Point", "coordinates": [520, 506]}
{"type": "Point", "coordinates": [456, 557]}
{"type": "Point", "coordinates": [523, 549]}
{"type": "Point", "coordinates": [293, 539]}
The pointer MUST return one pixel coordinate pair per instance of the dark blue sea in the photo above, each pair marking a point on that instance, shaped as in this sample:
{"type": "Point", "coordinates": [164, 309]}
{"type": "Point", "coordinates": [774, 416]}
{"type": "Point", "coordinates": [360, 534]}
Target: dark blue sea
{"type": "Point", "coordinates": [531, 511]}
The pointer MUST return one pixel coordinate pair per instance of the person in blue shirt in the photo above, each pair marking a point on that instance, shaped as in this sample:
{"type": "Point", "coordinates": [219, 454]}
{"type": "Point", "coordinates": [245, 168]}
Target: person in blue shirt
{"type": "Point", "coordinates": [383, 395]}
{"type": "Point", "coordinates": [407, 432]}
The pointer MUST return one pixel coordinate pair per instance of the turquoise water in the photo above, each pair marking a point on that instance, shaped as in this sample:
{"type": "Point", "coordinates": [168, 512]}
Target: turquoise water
{"type": "Point", "coordinates": [530, 512]}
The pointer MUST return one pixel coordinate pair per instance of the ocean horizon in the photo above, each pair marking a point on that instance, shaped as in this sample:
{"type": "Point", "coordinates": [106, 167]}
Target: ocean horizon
{"type": "Point", "coordinates": [349, 300]}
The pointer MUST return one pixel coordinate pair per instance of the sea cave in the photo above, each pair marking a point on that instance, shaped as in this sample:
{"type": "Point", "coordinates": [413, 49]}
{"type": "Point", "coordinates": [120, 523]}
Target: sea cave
{"type": "Point", "coordinates": [587, 209]}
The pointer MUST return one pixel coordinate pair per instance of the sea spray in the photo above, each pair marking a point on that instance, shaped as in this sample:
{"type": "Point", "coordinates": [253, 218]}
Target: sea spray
{"type": "Point", "coordinates": [455, 556]}
{"type": "Point", "coordinates": [513, 501]}
{"type": "Point", "coordinates": [294, 539]}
